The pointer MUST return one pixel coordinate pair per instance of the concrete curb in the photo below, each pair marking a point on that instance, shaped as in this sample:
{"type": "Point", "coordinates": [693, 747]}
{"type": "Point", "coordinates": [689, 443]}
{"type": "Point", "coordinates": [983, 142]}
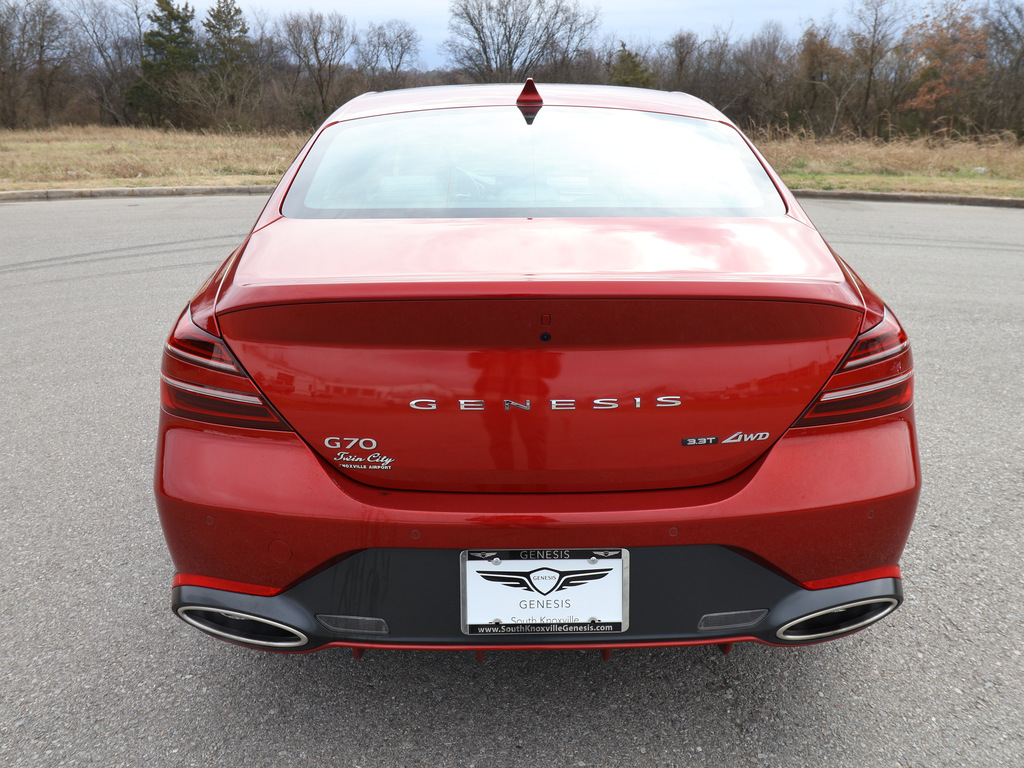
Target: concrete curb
{"type": "Point", "coordinates": [75, 194]}
{"type": "Point", "coordinates": [910, 197]}
{"type": "Point", "coordinates": [829, 194]}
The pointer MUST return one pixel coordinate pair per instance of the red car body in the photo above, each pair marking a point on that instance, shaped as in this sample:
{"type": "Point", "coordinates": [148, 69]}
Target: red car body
{"type": "Point", "coordinates": [355, 408]}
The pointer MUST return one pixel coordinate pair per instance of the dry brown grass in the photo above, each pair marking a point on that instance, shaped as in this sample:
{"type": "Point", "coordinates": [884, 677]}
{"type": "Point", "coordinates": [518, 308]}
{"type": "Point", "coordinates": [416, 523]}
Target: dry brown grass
{"type": "Point", "coordinates": [92, 157]}
{"type": "Point", "coordinates": [991, 166]}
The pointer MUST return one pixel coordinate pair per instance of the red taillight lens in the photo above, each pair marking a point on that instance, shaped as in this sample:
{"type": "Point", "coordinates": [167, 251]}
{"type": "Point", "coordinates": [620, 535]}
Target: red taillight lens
{"type": "Point", "coordinates": [201, 380]}
{"type": "Point", "coordinates": [192, 345]}
{"type": "Point", "coordinates": [876, 378]}
{"type": "Point", "coordinates": [884, 341]}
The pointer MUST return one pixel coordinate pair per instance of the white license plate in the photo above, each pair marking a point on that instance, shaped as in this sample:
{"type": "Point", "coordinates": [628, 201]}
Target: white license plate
{"type": "Point", "coordinates": [545, 591]}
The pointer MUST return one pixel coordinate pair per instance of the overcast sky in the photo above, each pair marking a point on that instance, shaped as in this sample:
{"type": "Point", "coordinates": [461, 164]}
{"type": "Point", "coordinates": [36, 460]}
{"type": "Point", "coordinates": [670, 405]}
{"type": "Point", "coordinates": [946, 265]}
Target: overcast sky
{"type": "Point", "coordinates": [635, 21]}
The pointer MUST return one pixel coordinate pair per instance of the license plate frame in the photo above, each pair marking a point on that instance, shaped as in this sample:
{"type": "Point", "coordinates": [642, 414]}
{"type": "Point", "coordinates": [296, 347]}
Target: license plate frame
{"type": "Point", "coordinates": [539, 592]}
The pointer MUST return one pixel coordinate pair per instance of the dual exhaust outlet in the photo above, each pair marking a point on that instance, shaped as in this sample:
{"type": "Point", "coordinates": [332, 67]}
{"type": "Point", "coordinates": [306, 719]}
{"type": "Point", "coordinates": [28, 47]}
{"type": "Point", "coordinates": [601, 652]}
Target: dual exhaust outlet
{"type": "Point", "coordinates": [840, 620]}
{"type": "Point", "coordinates": [243, 627]}
{"type": "Point", "coordinates": [250, 629]}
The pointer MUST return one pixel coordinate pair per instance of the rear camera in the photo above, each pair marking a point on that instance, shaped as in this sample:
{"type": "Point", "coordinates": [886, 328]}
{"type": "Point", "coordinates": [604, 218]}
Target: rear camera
{"type": "Point", "coordinates": [545, 337]}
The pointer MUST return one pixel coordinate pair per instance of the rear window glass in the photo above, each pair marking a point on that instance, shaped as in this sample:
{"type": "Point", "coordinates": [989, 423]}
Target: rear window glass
{"type": "Point", "coordinates": [571, 161]}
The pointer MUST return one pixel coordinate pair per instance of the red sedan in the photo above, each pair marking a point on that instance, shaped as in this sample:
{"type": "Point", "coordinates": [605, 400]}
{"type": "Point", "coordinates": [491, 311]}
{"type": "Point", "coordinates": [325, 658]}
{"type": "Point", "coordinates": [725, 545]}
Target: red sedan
{"type": "Point", "coordinates": [500, 367]}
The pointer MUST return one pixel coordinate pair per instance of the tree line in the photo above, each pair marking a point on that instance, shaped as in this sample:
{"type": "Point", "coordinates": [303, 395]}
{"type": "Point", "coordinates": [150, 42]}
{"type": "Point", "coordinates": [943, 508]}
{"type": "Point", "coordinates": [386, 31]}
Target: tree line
{"type": "Point", "coordinates": [891, 68]}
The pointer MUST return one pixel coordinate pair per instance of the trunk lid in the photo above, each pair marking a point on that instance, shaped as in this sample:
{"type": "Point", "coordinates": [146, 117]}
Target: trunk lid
{"type": "Point", "coordinates": [617, 369]}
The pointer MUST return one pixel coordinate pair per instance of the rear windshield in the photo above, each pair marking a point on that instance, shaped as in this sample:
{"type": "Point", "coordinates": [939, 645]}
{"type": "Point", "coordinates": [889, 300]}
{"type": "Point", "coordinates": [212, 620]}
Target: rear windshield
{"type": "Point", "coordinates": [490, 162]}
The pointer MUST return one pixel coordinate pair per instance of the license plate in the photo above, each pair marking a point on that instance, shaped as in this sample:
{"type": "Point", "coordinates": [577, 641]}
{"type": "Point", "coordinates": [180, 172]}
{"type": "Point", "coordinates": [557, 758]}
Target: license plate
{"type": "Point", "coordinates": [545, 591]}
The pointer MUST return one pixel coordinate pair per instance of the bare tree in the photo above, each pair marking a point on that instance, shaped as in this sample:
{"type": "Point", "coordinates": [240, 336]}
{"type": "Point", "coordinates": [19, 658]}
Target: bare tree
{"type": "Point", "coordinates": [766, 66]}
{"type": "Point", "coordinates": [319, 44]}
{"type": "Point", "coordinates": [384, 49]}
{"type": "Point", "coordinates": [828, 79]}
{"type": "Point", "coordinates": [278, 77]}
{"type": "Point", "coordinates": [716, 71]}
{"type": "Point", "coordinates": [676, 61]}
{"type": "Point", "coordinates": [506, 40]}
{"type": "Point", "coordinates": [54, 51]}
{"type": "Point", "coordinates": [268, 49]}
{"type": "Point", "coordinates": [14, 64]}
{"type": "Point", "coordinates": [1005, 22]}
{"type": "Point", "coordinates": [370, 55]}
{"type": "Point", "coordinates": [872, 36]}
{"type": "Point", "coordinates": [571, 56]}
{"type": "Point", "coordinates": [37, 50]}
{"type": "Point", "coordinates": [111, 51]}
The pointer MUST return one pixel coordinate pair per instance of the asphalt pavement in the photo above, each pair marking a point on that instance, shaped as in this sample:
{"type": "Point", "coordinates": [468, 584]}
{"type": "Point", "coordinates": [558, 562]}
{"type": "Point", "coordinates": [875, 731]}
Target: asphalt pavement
{"type": "Point", "coordinates": [96, 671]}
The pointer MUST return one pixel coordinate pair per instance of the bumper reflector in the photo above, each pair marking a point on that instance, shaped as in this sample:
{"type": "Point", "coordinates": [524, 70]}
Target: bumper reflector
{"type": "Point", "coordinates": [710, 622]}
{"type": "Point", "coordinates": [354, 625]}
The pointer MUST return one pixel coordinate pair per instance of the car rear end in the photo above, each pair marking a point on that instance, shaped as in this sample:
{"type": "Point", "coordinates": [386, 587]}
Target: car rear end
{"type": "Point", "coordinates": [408, 414]}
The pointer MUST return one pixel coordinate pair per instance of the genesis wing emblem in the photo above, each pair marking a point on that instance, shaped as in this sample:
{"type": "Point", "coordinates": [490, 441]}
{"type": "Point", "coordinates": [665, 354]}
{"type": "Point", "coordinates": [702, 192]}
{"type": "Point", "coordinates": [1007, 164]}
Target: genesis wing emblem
{"type": "Point", "coordinates": [509, 579]}
{"type": "Point", "coordinates": [566, 579]}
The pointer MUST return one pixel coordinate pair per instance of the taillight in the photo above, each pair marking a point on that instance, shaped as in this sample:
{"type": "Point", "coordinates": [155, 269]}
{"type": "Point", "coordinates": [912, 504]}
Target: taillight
{"type": "Point", "coordinates": [877, 378]}
{"type": "Point", "coordinates": [201, 380]}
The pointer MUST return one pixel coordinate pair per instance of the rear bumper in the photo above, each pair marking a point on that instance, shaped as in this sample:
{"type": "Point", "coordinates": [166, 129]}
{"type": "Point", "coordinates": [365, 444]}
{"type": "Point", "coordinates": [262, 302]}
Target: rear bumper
{"type": "Point", "coordinates": [256, 522]}
{"type": "Point", "coordinates": [678, 596]}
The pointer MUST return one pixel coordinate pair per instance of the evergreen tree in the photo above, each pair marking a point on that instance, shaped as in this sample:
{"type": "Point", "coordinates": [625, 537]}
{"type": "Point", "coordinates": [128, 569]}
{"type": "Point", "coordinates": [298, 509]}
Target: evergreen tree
{"type": "Point", "coordinates": [230, 91]}
{"type": "Point", "coordinates": [630, 69]}
{"type": "Point", "coordinates": [170, 54]}
{"type": "Point", "coordinates": [227, 45]}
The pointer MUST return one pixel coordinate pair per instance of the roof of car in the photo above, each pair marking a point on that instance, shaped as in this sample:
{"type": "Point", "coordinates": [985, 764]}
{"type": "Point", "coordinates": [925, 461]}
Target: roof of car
{"type": "Point", "coordinates": [553, 94]}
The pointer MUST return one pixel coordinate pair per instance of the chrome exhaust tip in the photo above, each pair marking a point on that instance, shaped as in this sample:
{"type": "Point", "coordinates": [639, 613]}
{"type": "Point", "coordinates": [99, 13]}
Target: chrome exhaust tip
{"type": "Point", "coordinates": [242, 627]}
{"type": "Point", "coordinates": [840, 620]}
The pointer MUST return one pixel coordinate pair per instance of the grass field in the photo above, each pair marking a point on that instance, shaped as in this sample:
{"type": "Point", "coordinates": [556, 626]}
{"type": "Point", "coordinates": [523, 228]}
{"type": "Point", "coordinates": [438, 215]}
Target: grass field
{"type": "Point", "coordinates": [94, 157]}
{"type": "Point", "coordinates": [992, 166]}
